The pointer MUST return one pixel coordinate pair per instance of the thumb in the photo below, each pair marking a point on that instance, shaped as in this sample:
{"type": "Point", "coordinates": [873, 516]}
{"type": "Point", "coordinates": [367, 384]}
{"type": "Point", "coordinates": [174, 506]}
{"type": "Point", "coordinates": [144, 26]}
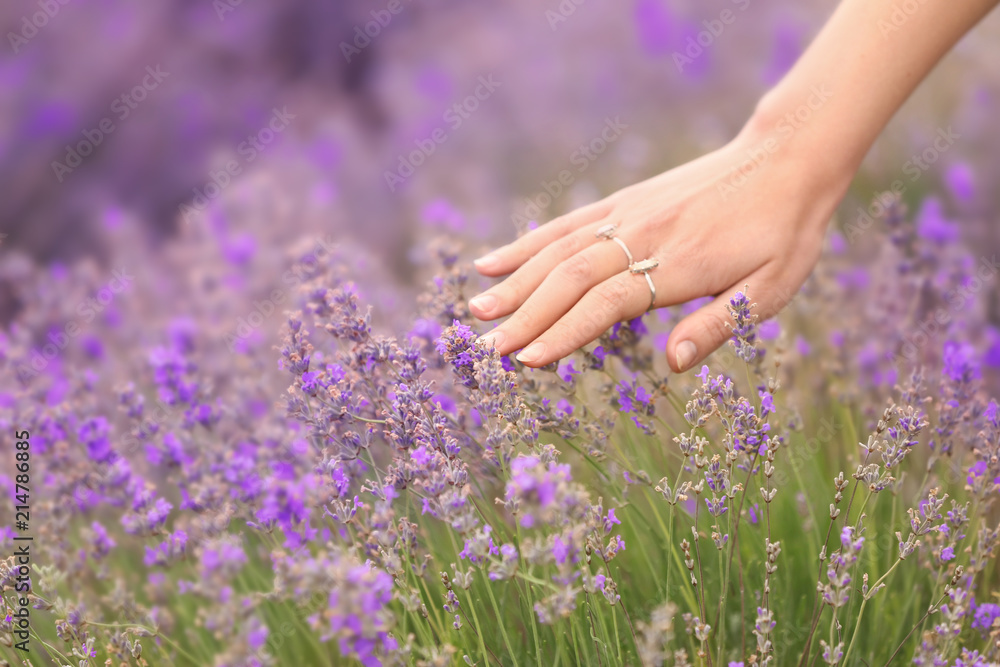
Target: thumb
{"type": "Point", "coordinates": [703, 331]}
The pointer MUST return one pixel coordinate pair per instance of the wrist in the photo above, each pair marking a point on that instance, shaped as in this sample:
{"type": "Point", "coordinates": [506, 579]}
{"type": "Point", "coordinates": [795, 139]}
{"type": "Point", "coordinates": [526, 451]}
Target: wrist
{"type": "Point", "coordinates": [801, 127]}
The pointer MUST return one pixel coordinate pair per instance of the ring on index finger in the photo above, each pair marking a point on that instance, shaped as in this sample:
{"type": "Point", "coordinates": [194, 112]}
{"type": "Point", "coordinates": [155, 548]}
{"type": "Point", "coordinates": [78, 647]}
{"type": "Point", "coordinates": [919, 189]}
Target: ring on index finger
{"type": "Point", "coordinates": [607, 232]}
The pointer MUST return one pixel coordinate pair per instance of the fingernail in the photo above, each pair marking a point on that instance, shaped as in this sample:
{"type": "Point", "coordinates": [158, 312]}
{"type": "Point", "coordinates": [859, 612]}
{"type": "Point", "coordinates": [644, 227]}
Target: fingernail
{"type": "Point", "coordinates": [531, 354]}
{"type": "Point", "coordinates": [487, 262]}
{"type": "Point", "coordinates": [484, 303]}
{"type": "Point", "coordinates": [686, 352]}
{"type": "Point", "coordinates": [493, 338]}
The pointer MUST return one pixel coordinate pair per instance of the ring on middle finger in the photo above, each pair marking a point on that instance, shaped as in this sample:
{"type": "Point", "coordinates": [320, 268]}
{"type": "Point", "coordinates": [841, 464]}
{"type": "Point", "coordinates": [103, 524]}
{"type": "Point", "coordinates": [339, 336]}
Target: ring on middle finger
{"type": "Point", "coordinates": [644, 267]}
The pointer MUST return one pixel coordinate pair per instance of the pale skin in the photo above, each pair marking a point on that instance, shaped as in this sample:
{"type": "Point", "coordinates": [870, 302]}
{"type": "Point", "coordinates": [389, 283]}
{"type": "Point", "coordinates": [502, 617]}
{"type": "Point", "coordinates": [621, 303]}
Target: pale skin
{"type": "Point", "coordinates": [712, 231]}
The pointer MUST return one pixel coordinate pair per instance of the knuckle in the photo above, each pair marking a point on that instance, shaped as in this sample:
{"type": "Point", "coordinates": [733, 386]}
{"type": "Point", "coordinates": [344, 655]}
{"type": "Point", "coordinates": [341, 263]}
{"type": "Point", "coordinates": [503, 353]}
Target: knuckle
{"type": "Point", "coordinates": [516, 254]}
{"type": "Point", "coordinates": [525, 319]}
{"type": "Point", "coordinates": [563, 224]}
{"type": "Point", "coordinates": [530, 316]}
{"type": "Point", "coordinates": [567, 246]}
{"type": "Point", "coordinates": [692, 248]}
{"type": "Point", "coordinates": [716, 326]}
{"type": "Point", "coordinates": [531, 313]}
{"type": "Point", "coordinates": [511, 290]}
{"type": "Point", "coordinates": [577, 269]}
{"type": "Point", "coordinates": [611, 298]}
{"type": "Point", "coordinates": [521, 247]}
{"type": "Point", "coordinates": [663, 216]}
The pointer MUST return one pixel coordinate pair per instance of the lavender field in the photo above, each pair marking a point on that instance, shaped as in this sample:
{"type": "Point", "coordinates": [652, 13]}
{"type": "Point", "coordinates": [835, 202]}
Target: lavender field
{"type": "Point", "coordinates": [246, 420]}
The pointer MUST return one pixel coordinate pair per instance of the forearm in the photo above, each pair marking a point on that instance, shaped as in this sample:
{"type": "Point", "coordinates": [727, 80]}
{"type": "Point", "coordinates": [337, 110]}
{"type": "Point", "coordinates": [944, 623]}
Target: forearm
{"type": "Point", "coordinates": [866, 62]}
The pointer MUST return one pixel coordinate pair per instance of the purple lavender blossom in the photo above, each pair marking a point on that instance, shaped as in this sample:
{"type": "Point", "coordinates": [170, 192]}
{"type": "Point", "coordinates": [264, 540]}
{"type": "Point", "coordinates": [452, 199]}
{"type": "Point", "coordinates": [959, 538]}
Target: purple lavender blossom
{"type": "Point", "coordinates": [744, 326]}
{"type": "Point", "coordinates": [101, 542]}
{"type": "Point", "coordinates": [94, 434]}
{"type": "Point", "coordinates": [633, 397]}
{"type": "Point", "coordinates": [457, 345]}
{"type": "Point", "coordinates": [567, 370]}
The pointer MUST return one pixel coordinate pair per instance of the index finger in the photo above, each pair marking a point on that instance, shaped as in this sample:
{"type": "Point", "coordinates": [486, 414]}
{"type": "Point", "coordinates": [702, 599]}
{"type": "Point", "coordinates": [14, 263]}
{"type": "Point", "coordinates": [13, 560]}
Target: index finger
{"type": "Point", "coordinates": [506, 258]}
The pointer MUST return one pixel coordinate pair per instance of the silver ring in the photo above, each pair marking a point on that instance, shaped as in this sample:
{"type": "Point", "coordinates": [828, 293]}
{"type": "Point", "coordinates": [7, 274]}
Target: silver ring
{"type": "Point", "coordinates": [607, 232]}
{"type": "Point", "coordinates": [644, 267]}
{"type": "Point", "coordinates": [625, 248]}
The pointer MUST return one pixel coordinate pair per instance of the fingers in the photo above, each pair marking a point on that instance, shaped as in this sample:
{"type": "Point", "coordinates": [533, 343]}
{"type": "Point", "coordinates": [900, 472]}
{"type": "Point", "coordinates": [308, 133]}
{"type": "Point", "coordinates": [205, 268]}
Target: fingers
{"type": "Point", "coordinates": [559, 290]}
{"type": "Point", "coordinates": [621, 297]}
{"type": "Point", "coordinates": [515, 290]}
{"type": "Point", "coordinates": [705, 330]}
{"type": "Point", "coordinates": [506, 258]}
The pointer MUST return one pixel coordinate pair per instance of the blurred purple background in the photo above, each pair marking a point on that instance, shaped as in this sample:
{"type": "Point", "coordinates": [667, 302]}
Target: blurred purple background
{"type": "Point", "coordinates": [163, 115]}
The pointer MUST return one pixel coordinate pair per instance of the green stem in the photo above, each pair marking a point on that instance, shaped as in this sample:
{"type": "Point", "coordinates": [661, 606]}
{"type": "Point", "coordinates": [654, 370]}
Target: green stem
{"type": "Point", "coordinates": [605, 640]}
{"type": "Point", "coordinates": [618, 641]}
{"type": "Point", "coordinates": [500, 620]}
{"type": "Point", "coordinates": [701, 578]}
{"type": "Point", "coordinates": [432, 619]}
{"type": "Point", "coordinates": [366, 420]}
{"type": "Point", "coordinates": [689, 593]}
{"type": "Point", "coordinates": [813, 534]}
{"type": "Point", "coordinates": [150, 631]}
{"type": "Point", "coordinates": [833, 624]}
{"type": "Point", "coordinates": [857, 630]}
{"type": "Point", "coordinates": [576, 645]}
{"type": "Point", "coordinates": [478, 628]}
{"type": "Point", "coordinates": [724, 577]}
{"type": "Point", "coordinates": [915, 626]}
{"type": "Point", "coordinates": [861, 612]}
{"type": "Point", "coordinates": [531, 598]}
{"type": "Point", "coordinates": [49, 648]}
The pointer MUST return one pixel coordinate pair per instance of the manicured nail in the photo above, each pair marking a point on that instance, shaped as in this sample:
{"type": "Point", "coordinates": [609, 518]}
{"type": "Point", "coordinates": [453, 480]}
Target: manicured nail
{"type": "Point", "coordinates": [484, 303]}
{"type": "Point", "coordinates": [531, 354]}
{"type": "Point", "coordinates": [487, 262]}
{"type": "Point", "coordinates": [686, 352]}
{"type": "Point", "coordinates": [492, 339]}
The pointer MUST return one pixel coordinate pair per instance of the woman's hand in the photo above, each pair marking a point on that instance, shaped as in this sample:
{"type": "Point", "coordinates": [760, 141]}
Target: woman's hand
{"type": "Point", "coordinates": [711, 230]}
{"type": "Point", "coordinates": [753, 212]}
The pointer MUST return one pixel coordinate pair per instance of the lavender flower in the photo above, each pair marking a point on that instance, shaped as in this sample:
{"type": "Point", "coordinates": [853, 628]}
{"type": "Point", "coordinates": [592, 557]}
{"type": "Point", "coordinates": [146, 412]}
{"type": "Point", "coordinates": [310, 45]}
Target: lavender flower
{"type": "Point", "coordinates": [744, 326]}
{"type": "Point", "coordinates": [156, 441]}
